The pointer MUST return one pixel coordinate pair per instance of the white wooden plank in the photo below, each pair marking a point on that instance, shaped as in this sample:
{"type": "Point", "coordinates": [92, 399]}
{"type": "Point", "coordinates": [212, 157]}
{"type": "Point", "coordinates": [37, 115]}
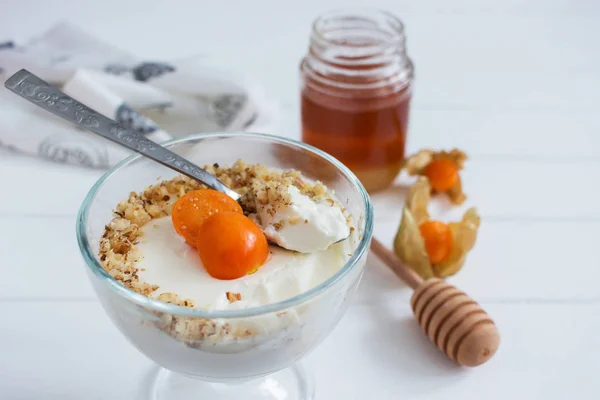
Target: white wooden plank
{"type": "Point", "coordinates": [58, 351]}
{"type": "Point", "coordinates": [537, 134]}
{"type": "Point", "coordinates": [42, 258]}
{"type": "Point", "coordinates": [527, 90]}
{"type": "Point", "coordinates": [41, 187]}
{"type": "Point", "coordinates": [512, 261]}
{"type": "Point", "coordinates": [66, 351]}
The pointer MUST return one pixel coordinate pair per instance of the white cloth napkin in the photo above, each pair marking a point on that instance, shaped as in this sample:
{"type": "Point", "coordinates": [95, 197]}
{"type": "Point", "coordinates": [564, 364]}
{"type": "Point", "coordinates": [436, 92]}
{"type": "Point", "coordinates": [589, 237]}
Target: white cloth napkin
{"type": "Point", "coordinates": [179, 97]}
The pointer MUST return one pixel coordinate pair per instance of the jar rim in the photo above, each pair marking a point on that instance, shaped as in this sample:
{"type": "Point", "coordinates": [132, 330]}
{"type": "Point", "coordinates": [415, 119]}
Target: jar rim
{"type": "Point", "coordinates": [358, 48]}
{"type": "Point", "coordinates": [364, 14]}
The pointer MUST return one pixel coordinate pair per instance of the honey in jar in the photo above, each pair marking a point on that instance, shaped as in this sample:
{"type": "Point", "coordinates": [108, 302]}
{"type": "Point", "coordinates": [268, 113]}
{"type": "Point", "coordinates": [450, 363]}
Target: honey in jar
{"type": "Point", "coordinates": [356, 91]}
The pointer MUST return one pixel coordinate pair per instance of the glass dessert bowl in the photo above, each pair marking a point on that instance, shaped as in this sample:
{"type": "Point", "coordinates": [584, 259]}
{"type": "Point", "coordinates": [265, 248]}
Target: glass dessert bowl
{"type": "Point", "coordinates": [249, 353]}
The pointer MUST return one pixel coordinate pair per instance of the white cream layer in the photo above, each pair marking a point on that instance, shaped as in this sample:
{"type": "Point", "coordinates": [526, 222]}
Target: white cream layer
{"type": "Point", "coordinates": [307, 226]}
{"type": "Point", "coordinates": [169, 262]}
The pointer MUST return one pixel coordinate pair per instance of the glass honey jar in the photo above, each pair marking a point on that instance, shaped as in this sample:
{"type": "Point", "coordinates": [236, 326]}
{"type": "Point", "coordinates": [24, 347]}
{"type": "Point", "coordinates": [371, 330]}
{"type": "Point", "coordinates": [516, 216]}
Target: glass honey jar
{"type": "Point", "coordinates": [356, 86]}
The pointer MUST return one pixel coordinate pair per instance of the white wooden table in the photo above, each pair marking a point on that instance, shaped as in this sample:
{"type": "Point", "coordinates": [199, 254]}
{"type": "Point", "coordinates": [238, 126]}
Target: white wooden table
{"type": "Point", "coordinates": [516, 84]}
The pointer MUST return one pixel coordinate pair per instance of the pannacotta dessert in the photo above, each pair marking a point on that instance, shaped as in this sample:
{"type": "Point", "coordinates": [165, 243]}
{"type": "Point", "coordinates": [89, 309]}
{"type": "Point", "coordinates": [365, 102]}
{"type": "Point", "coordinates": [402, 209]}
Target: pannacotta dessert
{"type": "Point", "coordinates": [180, 242]}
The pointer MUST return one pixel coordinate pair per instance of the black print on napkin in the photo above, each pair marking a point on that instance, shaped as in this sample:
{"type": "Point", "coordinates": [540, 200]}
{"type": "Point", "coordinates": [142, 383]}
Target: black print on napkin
{"type": "Point", "coordinates": [8, 146]}
{"type": "Point", "coordinates": [142, 72]}
{"type": "Point", "coordinates": [128, 118]}
{"type": "Point", "coordinates": [145, 71]}
{"type": "Point", "coordinates": [73, 152]}
{"type": "Point", "coordinates": [116, 69]}
{"type": "Point", "coordinates": [3, 46]}
{"type": "Point", "coordinates": [225, 108]}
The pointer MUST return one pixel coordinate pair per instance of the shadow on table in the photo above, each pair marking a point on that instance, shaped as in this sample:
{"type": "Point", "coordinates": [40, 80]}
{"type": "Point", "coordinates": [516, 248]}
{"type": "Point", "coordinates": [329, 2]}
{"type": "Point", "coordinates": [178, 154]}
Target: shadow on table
{"type": "Point", "coordinates": [402, 347]}
{"type": "Point", "coordinates": [147, 385]}
{"type": "Point", "coordinates": [395, 194]}
{"type": "Point", "coordinates": [396, 340]}
{"type": "Point", "coordinates": [390, 202]}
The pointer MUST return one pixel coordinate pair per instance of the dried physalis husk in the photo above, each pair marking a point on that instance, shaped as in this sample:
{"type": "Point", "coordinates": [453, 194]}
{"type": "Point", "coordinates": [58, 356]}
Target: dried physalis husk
{"type": "Point", "coordinates": [441, 167]}
{"type": "Point", "coordinates": [464, 234]}
{"type": "Point", "coordinates": [409, 245]}
{"type": "Point", "coordinates": [417, 200]}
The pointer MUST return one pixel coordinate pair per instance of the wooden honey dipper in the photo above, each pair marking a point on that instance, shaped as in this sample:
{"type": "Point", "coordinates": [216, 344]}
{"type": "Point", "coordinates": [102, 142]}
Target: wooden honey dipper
{"type": "Point", "coordinates": [454, 322]}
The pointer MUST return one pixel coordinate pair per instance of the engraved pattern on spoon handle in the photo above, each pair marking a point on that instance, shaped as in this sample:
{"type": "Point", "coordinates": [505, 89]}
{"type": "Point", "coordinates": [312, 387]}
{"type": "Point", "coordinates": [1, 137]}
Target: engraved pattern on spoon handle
{"type": "Point", "coordinates": [34, 89]}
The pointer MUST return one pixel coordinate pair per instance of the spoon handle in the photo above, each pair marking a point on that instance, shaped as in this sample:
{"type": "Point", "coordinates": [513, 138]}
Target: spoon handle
{"type": "Point", "coordinates": [46, 96]}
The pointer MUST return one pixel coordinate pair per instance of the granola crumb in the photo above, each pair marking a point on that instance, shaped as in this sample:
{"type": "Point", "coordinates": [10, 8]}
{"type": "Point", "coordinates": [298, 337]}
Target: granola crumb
{"type": "Point", "coordinates": [173, 298]}
{"type": "Point", "coordinates": [233, 296]}
{"type": "Point", "coordinates": [294, 220]}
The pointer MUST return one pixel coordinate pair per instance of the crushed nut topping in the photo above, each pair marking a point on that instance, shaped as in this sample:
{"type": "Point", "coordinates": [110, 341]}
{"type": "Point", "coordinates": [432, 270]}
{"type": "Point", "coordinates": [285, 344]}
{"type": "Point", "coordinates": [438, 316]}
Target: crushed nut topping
{"type": "Point", "coordinates": [175, 299]}
{"type": "Point", "coordinates": [262, 185]}
{"type": "Point", "coordinates": [294, 220]}
{"type": "Point", "coordinates": [233, 297]}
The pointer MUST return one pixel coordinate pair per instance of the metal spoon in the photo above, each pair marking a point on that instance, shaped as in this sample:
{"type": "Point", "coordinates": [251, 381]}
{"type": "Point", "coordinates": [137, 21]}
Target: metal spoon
{"type": "Point", "coordinates": [48, 97]}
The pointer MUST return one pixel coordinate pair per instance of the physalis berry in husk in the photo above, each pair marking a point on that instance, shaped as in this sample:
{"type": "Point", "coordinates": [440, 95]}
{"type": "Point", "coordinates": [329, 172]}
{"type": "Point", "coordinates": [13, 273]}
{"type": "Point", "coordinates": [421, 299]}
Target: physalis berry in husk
{"type": "Point", "coordinates": [433, 248]}
{"type": "Point", "coordinates": [442, 169]}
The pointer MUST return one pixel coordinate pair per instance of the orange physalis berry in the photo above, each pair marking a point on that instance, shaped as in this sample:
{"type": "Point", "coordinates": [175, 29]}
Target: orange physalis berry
{"type": "Point", "coordinates": [438, 240]}
{"type": "Point", "coordinates": [442, 174]}
{"type": "Point", "coordinates": [231, 245]}
{"type": "Point", "coordinates": [191, 209]}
